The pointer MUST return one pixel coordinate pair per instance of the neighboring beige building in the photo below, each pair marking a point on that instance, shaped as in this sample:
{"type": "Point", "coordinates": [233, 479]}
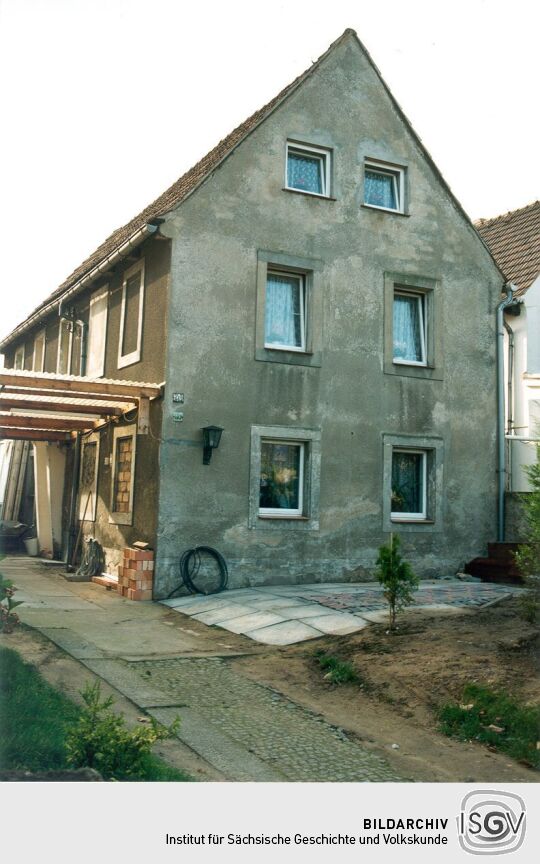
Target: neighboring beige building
{"type": "Point", "coordinates": [311, 286]}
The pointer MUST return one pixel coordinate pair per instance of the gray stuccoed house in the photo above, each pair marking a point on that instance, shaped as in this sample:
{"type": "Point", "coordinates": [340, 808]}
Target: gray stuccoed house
{"type": "Point", "coordinates": [313, 288]}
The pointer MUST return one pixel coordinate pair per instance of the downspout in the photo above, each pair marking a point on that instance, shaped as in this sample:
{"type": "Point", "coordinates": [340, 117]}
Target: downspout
{"type": "Point", "coordinates": [501, 460]}
{"type": "Point", "coordinates": [510, 397]}
{"type": "Point", "coordinates": [72, 528]}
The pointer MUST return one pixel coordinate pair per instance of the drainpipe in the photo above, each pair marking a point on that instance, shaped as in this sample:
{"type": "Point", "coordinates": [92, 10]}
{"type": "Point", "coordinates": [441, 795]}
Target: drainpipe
{"type": "Point", "coordinates": [501, 460]}
{"type": "Point", "coordinates": [82, 325]}
{"type": "Point", "coordinates": [72, 528]}
{"type": "Point", "coordinates": [510, 396]}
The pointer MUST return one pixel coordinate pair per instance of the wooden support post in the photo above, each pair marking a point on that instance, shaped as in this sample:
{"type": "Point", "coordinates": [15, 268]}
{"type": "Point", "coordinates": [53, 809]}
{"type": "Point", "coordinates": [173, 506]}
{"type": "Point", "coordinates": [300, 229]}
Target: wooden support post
{"type": "Point", "coordinates": [143, 418]}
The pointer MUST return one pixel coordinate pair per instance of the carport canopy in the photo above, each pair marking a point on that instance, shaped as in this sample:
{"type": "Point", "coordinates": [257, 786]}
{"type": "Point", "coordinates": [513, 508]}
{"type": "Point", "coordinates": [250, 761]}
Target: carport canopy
{"type": "Point", "coordinates": [42, 406]}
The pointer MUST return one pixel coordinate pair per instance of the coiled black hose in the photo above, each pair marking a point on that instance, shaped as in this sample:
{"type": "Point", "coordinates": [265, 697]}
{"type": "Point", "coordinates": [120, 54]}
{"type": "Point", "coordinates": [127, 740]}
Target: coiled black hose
{"type": "Point", "coordinates": [190, 571]}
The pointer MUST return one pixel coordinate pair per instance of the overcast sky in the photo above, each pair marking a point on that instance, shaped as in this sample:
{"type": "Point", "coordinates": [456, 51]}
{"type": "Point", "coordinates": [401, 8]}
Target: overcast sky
{"type": "Point", "coordinates": [104, 103]}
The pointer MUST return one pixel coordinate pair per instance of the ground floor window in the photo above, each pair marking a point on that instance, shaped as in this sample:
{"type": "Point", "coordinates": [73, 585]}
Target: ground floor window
{"type": "Point", "coordinates": [281, 478]}
{"type": "Point", "coordinates": [284, 478]}
{"type": "Point", "coordinates": [409, 493]}
{"type": "Point", "coordinates": [413, 483]}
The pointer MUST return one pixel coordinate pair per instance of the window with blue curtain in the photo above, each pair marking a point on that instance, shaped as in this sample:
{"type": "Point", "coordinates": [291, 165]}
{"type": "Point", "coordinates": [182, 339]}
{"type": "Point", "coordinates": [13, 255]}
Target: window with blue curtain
{"type": "Point", "coordinates": [380, 189]}
{"type": "Point", "coordinates": [284, 311]}
{"type": "Point", "coordinates": [408, 483]}
{"type": "Point", "coordinates": [409, 328]}
{"type": "Point", "coordinates": [305, 172]}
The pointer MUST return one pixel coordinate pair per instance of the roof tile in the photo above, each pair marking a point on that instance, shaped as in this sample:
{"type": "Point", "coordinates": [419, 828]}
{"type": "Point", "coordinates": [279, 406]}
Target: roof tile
{"type": "Point", "coordinates": [514, 241]}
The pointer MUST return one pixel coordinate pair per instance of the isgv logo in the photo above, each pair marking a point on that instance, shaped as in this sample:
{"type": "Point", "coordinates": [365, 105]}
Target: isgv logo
{"type": "Point", "coordinates": [491, 823]}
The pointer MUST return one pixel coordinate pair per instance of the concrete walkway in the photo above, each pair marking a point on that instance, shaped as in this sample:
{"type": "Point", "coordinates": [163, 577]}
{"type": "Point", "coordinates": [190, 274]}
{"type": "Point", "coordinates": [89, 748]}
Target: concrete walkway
{"type": "Point", "coordinates": [167, 665]}
{"type": "Point", "coordinates": [284, 615]}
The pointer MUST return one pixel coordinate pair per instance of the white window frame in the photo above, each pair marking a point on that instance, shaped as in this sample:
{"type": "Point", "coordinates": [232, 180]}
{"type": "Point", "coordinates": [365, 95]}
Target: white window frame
{"type": "Point", "coordinates": [59, 351]}
{"type": "Point", "coordinates": [134, 356]}
{"type": "Point", "coordinates": [19, 358]}
{"type": "Point", "coordinates": [398, 178]}
{"type": "Point", "coordinates": [319, 153]}
{"type": "Point", "coordinates": [41, 335]}
{"type": "Point", "coordinates": [277, 346]}
{"type": "Point", "coordinates": [285, 512]}
{"type": "Point", "coordinates": [421, 299]}
{"type": "Point", "coordinates": [422, 515]}
{"type": "Point", "coordinates": [123, 432]}
{"type": "Point", "coordinates": [95, 365]}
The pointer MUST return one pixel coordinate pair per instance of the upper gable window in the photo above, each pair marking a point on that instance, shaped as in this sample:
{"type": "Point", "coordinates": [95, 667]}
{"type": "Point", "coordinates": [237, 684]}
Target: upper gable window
{"type": "Point", "coordinates": [384, 186]}
{"type": "Point", "coordinates": [18, 360]}
{"type": "Point", "coordinates": [131, 322]}
{"type": "Point", "coordinates": [38, 360]}
{"type": "Point", "coordinates": [308, 169]}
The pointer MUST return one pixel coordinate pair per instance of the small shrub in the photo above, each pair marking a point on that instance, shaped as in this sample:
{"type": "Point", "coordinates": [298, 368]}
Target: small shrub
{"type": "Point", "coordinates": [100, 740]}
{"type": "Point", "coordinates": [8, 618]}
{"type": "Point", "coordinates": [338, 671]}
{"type": "Point", "coordinates": [528, 557]}
{"type": "Point", "coordinates": [496, 719]}
{"type": "Point", "coordinates": [397, 578]}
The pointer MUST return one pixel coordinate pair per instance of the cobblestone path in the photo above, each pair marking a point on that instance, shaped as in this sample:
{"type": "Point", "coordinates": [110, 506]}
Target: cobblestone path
{"type": "Point", "coordinates": [296, 743]}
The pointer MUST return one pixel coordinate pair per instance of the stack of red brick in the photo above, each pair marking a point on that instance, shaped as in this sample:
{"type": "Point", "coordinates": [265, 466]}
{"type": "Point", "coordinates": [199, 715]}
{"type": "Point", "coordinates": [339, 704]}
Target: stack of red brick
{"type": "Point", "coordinates": [136, 574]}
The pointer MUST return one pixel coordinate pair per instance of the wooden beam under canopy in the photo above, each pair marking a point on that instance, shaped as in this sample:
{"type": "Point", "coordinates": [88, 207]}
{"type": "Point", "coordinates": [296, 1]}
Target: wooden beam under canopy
{"type": "Point", "coordinates": [67, 394]}
{"type": "Point", "coordinates": [66, 408]}
{"type": "Point", "coordinates": [77, 384]}
{"type": "Point", "coordinates": [32, 435]}
{"type": "Point", "coordinates": [28, 421]}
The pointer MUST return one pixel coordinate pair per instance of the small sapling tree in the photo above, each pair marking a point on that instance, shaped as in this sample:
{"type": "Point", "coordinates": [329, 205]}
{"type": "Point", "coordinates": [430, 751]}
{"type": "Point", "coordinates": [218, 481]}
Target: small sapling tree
{"type": "Point", "coordinates": [397, 578]}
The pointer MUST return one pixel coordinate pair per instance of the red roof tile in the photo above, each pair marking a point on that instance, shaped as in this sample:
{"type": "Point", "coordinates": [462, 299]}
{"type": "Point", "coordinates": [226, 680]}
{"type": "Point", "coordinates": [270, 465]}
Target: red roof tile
{"type": "Point", "coordinates": [514, 241]}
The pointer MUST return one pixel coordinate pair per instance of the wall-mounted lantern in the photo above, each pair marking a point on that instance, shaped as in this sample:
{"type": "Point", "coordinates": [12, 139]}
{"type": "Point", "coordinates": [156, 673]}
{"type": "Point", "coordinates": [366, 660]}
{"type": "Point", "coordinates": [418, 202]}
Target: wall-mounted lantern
{"type": "Point", "coordinates": [211, 439]}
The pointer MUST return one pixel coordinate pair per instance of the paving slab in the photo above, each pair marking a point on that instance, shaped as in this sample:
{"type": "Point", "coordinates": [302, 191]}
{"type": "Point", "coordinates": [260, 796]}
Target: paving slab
{"type": "Point", "coordinates": [72, 642]}
{"type": "Point", "coordinates": [304, 610]}
{"type": "Point", "coordinates": [190, 605]}
{"type": "Point", "coordinates": [287, 633]}
{"type": "Point", "coordinates": [339, 624]}
{"type": "Point", "coordinates": [222, 613]}
{"type": "Point", "coordinates": [253, 621]}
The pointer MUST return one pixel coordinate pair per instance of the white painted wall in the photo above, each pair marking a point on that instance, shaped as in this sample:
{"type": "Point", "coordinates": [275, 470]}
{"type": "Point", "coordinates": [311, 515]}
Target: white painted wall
{"type": "Point", "coordinates": [526, 419]}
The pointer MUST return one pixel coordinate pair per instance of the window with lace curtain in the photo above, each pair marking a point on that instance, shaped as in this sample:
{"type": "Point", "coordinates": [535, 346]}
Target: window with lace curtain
{"type": "Point", "coordinates": [413, 326]}
{"type": "Point", "coordinates": [409, 328]}
{"type": "Point", "coordinates": [285, 311]}
{"type": "Point", "coordinates": [384, 186]}
{"type": "Point", "coordinates": [308, 169]}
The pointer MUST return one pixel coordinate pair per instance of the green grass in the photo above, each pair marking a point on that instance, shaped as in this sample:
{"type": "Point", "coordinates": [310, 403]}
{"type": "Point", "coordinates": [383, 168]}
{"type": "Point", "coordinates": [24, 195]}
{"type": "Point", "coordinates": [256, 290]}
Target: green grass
{"type": "Point", "coordinates": [520, 724]}
{"type": "Point", "coordinates": [337, 671]}
{"type": "Point", "coordinates": [35, 718]}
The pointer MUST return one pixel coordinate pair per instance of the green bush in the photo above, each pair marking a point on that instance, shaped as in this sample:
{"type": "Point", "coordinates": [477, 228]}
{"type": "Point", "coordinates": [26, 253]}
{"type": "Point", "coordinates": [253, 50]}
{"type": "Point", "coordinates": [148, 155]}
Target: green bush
{"type": "Point", "coordinates": [100, 740]}
{"type": "Point", "coordinates": [397, 578]}
{"type": "Point", "coordinates": [337, 671]}
{"type": "Point", "coordinates": [528, 557]}
{"type": "Point", "coordinates": [496, 719]}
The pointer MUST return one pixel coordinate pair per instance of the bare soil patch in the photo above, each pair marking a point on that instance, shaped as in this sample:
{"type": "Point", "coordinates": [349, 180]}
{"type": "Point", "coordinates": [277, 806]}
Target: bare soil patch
{"type": "Point", "coordinates": [404, 679]}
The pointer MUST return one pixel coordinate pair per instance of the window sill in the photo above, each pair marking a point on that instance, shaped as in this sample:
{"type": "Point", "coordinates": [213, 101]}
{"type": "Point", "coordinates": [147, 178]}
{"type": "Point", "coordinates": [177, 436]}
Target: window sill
{"type": "Point", "coordinates": [293, 358]}
{"type": "Point", "coordinates": [288, 348]}
{"type": "Point", "coordinates": [311, 194]}
{"type": "Point", "coordinates": [412, 364]}
{"type": "Point", "coordinates": [397, 520]}
{"type": "Point", "coordinates": [384, 210]}
{"type": "Point", "coordinates": [287, 517]}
